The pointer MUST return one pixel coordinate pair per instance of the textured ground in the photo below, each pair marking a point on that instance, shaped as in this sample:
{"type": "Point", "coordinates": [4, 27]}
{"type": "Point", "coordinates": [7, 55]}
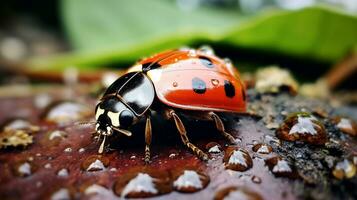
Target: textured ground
{"type": "Point", "coordinates": [59, 164]}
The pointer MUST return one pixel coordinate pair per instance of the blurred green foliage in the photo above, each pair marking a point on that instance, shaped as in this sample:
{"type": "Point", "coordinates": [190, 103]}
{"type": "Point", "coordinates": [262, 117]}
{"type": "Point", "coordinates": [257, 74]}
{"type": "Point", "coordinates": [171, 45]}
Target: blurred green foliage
{"type": "Point", "coordinates": [111, 31]}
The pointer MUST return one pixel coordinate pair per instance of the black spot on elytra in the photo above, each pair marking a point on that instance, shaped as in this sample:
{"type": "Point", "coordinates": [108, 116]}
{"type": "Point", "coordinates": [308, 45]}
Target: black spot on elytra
{"type": "Point", "coordinates": [229, 89]}
{"type": "Point", "coordinates": [149, 66]}
{"type": "Point", "coordinates": [206, 61]}
{"type": "Point", "coordinates": [198, 85]}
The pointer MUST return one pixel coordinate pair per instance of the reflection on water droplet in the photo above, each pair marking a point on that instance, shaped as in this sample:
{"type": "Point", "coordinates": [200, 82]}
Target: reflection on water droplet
{"type": "Point", "coordinates": [57, 134]}
{"type": "Point", "coordinates": [237, 159]}
{"type": "Point", "coordinates": [24, 169]}
{"type": "Point", "coordinates": [61, 194]}
{"type": "Point", "coordinates": [68, 150]}
{"type": "Point", "coordinates": [63, 173]}
{"type": "Point", "coordinates": [280, 167]}
{"type": "Point", "coordinates": [65, 112]}
{"type": "Point", "coordinates": [235, 193]}
{"type": "Point", "coordinates": [95, 163]}
{"type": "Point", "coordinates": [262, 148]}
{"type": "Point", "coordinates": [205, 49]}
{"type": "Point", "coordinates": [256, 179]}
{"type": "Point", "coordinates": [214, 82]}
{"type": "Point", "coordinates": [346, 125]}
{"type": "Point", "coordinates": [344, 169]}
{"type": "Point", "coordinates": [189, 181]}
{"type": "Point", "coordinates": [139, 184]}
{"type": "Point", "coordinates": [96, 189]}
{"type": "Point", "coordinates": [175, 84]}
{"type": "Point", "coordinates": [213, 147]}
{"type": "Point", "coordinates": [20, 124]}
{"type": "Point", "coordinates": [192, 53]}
{"type": "Point", "coordinates": [302, 127]}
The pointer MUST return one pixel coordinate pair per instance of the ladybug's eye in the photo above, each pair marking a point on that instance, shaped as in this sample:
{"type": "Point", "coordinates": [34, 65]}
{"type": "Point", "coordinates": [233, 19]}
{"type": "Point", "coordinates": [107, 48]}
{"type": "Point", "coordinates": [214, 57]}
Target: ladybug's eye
{"type": "Point", "coordinates": [126, 118]}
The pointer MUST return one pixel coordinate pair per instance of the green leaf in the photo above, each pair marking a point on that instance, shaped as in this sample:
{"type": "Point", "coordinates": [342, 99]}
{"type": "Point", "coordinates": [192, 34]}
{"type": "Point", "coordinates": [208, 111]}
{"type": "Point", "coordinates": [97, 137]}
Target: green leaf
{"type": "Point", "coordinates": [111, 31]}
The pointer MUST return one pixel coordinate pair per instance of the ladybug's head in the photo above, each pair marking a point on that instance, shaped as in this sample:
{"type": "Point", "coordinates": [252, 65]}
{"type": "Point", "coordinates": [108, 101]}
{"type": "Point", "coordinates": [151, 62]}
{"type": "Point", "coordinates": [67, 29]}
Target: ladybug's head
{"type": "Point", "coordinates": [112, 116]}
{"type": "Point", "coordinates": [123, 104]}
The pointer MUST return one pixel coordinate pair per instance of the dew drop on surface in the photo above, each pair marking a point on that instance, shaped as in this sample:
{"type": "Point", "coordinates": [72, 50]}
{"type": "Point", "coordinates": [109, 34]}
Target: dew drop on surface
{"type": "Point", "coordinates": [65, 112]}
{"type": "Point", "coordinates": [256, 179]}
{"type": "Point", "coordinates": [57, 134]}
{"type": "Point", "coordinates": [63, 173]}
{"type": "Point", "coordinates": [302, 127]}
{"type": "Point", "coordinates": [24, 169]}
{"type": "Point", "coordinates": [235, 193]}
{"type": "Point", "coordinates": [280, 167]}
{"type": "Point", "coordinates": [42, 100]}
{"type": "Point", "coordinates": [206, 50]}
{"type": "Point", "coordinates": [347, 126]}
{"type": "Point", "coordinates": [192, 53]}
{"type": "Point", "coordinates": [81, 150]}
{"type": "Point", "coordinates": [61, 194]}
{"type": "Point", "coordinates": [96, 189]}
{"type": "Point", "coordinates": [68, 150]}
{"type": "Point", "coordinates": [237, 159]}
{"type": "Point", "coordinates": [95, 163]}
{"type": "Point", "coordinates": [344, 169]}
{"type": "Point", "coordinates": [215, 82]}
{"type": "Point", "coordinates": [173, 155]}
{"type": "Point", "coordinates": [21, 124]}
{"type": "Point", "coordinates": [175, 84]}
{"type": "Point", "coordinates": [213, 147]}
{"type": "Point", "coordinates": [48, 166]}
{"type": "Point", "coordinates": [190, 181]}
{"type": "Point", "coordinates": [142, 183]}
{"type": "Point", "coordinates": [262, 148]}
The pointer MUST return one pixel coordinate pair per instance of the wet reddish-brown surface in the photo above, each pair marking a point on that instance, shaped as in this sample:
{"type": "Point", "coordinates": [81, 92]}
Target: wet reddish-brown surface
{"type": "Point", "coordinates": [61, 163]}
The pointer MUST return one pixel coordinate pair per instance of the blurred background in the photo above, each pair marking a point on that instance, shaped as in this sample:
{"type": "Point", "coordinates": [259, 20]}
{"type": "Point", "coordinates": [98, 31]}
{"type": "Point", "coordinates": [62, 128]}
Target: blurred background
{"type": "Point", "coordinates": [313, 42]}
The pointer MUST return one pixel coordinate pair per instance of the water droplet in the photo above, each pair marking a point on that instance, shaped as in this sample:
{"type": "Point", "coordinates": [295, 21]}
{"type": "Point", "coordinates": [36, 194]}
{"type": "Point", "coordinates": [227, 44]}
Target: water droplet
{"type": "Point", "coordinates": [346, 125]}
{"type": "Point", "coordinates": [280, 167]}
{"type": "Point", "coordinates": [61, 194]}
{"type": "Point", "coordinates": [81, 150]}
{"type": "Point", "coordinates": [237, 159]}
{"type": "Point", "coordinates": [63, 173]}
{"type": "Point", "coordinates": [256, 179]}
{"type": "Point", "coordinates": [344, 169]}
{"type": "Point", "coordinates": [192, 53]}
{"type": "Point", "coordinates": [21, 124]}
{"type": "Point", "coordinates": [95, 163]}
{"type": "Point", "coordinates": [205, 49]}
{"type": "Point", "coordinates": [66, 111]}
{"type": "Point", "coordinates": [96, 189]}
{"type": "Point", "coordinates": [272, 140]}
{"type": "Point", "coordinates": [235, 193]}
{"type": "Point", "coordinates": [302, 127]}
{"type": "Point", "coordinates": [23, 169]}
{"type": "Point", "coordinates": [68, 150]}
{"type": "Point", "coordinates": [214, 147]}
{"type": "Point", "coordinates": [175, 84]}
{"type": "Point", "coordinates": [214, 82]}
{"type": "Point", "coordinates": [48, 166]}
{"type": "Point", "coordinates": [189, 181]}
{"type": "Point", "coordinates": [132, 157]}
{"type": "Point", "coordinates": [262, 148]}
{"type": "Point", "coordinates": [173, 155]}
{"type": "Point", "coordinates": [57, 134]}
{"type": "Point", "coordinates": [42, 100]}
{"type": "Point", "coordinates": [140, 184]}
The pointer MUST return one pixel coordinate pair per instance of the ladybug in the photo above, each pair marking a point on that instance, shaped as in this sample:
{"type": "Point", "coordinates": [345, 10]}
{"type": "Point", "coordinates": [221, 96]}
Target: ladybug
{"type": "Point", "coordinates": [187, 81]}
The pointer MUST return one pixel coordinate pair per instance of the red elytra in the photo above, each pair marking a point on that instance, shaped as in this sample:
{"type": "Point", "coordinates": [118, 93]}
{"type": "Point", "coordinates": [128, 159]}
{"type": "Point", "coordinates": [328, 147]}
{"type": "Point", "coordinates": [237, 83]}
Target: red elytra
{"type": "Point", "coordinates": [176, 73]}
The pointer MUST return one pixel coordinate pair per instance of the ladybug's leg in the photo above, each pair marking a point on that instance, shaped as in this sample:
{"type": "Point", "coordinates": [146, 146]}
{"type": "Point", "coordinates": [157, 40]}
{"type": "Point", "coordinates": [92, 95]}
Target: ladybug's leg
{"type": "Point", "coordinates": [148, 135]}
{"type": "Point", "coordinates": [181, 128]}
{"type": "Point", "coordinates": [220, 127]}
